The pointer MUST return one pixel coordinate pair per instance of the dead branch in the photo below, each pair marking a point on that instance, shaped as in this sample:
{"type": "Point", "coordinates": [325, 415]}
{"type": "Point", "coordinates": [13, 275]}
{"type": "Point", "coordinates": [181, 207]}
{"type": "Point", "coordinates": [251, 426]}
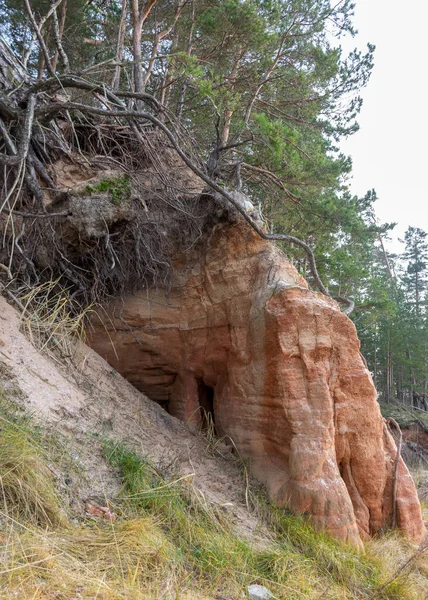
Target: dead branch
{"type": "Point", "coordinates": [169, 78]}
{"type": "Point", "coordinates": [274, 178]}
{"type": "Point", "coordinates": [46, 215]}
{"type": "Point", "coordinates": [12, 71]}
{"type": "Point", "coordinates": [32, 182]}
{"type": "Point", "coordinates": [40, 38]}
{"type": "Point", "coordinates": [19, 153]}
{"type": "Point", "coordinates": [264, 81]}
{"type": "Point", "coordinates": [119, 45]}
{"type": "Point", "coordinates": [395, 475]}
{"type": "Point", "coordinates": [76, 82]}
{"type": "Point", "coordinates": [159, 36]}
{"type": "Point", "coordinates": [14, 299]}
{"type": "Point", "coordinates": [6, 270]}
{"type": "Point", "coordinates": [10, 146]}
{"type": "Point", "coordinates": [58, 32]}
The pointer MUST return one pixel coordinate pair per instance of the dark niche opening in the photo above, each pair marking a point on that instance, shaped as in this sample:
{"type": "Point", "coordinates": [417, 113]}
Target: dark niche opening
{"type": "Point", "coordinates": [206, 406]}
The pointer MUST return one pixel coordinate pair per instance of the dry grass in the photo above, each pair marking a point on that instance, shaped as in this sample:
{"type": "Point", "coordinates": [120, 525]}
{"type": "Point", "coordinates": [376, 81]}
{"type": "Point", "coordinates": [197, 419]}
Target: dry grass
{"type": "Point", "coordinates": [27, 491]}
{"type": "Point", "coordinates": [127, 560]}
{"type": "Point", "coordinates": [402, 561]}
{"type": "Point", "coordinates": [420, 477]}
{"type": "Point", "coordinates": [52, 320]}
{"type": "Point", "coordinates": [168, 543]}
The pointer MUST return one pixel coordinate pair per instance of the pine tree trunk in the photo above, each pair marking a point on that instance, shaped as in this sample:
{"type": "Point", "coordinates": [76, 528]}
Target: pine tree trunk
{"type": "Point", "coordinates": [388, 370]}
{"type": "Point", "coordinates": [119, 47]}
{"type": "Point", "coordinates": [375, 364]}
{"type": "Point", "coordinates": [418, 312]}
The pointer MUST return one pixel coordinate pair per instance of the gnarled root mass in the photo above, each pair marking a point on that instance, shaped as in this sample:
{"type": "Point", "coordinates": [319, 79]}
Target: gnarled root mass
{"type": "Point", "coordinates": [73, 119]}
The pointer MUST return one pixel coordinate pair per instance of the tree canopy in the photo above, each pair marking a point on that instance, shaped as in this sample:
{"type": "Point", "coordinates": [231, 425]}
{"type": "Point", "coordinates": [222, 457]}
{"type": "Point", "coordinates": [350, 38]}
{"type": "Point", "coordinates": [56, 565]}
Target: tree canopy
{"type": "Point", "coordinates": [258, 93]}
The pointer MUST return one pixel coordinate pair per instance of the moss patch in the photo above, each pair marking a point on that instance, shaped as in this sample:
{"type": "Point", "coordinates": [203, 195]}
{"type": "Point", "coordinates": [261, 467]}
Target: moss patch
{"type": "Point", "coordinates": [118, 188]}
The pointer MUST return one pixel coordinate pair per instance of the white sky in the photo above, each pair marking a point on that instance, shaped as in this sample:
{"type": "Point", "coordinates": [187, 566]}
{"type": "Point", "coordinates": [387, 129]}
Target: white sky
{"type": "Point", "coordinates": [390, 151]}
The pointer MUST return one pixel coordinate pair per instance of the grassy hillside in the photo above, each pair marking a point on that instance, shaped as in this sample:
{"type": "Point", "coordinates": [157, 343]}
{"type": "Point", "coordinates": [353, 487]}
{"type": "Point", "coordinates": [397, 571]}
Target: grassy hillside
{"type": "Point", "coordinates": [167, 541]}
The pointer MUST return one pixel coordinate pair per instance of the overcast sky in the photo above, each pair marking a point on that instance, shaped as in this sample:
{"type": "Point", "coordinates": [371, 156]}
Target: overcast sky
{"type": "Point", "coordinates": [390, 151]}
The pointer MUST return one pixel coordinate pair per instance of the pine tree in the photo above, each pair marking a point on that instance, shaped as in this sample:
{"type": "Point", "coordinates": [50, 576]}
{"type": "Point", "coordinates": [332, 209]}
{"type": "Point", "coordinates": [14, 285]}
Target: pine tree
{"type": "Point", "coordinates": [415, 278]}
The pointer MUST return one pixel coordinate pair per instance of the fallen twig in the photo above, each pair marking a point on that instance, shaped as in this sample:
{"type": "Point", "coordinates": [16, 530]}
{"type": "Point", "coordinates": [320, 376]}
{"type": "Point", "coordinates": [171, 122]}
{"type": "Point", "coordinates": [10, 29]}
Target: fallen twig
{"type": "Point", "coordinates": [395, 475]}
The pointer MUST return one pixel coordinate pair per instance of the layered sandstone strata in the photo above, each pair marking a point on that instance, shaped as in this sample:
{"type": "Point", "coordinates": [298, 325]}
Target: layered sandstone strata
{"type": "Point", "coordinates": [278, 366]}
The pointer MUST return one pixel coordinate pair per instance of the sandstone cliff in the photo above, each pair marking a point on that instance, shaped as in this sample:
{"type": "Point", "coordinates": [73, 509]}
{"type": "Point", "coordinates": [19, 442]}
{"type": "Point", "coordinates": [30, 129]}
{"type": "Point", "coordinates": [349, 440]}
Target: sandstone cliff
{"type": "Point", "coordinates": [241, 336]}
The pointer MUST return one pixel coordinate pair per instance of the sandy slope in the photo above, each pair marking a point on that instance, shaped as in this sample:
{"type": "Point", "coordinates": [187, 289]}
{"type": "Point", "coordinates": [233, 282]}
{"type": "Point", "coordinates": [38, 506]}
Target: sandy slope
{"type": "Point", "coordinates": [86, 399]}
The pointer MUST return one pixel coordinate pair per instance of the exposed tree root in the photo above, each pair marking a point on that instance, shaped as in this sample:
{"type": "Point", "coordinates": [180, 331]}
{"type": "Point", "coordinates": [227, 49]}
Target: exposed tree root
{"type": "Point", "coordinates": [46, 105]}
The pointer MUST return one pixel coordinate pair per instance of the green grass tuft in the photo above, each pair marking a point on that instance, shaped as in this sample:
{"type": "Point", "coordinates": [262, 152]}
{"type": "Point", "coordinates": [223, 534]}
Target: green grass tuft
{"type": "Point", "coordinates": [27, 490]}
{"type": "Point", "coordinates": [299, 563]}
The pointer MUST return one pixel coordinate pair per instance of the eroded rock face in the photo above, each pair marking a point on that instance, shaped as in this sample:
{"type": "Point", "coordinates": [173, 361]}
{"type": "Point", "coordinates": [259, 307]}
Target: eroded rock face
{"type": "Point", "coordinates": [240, 335]}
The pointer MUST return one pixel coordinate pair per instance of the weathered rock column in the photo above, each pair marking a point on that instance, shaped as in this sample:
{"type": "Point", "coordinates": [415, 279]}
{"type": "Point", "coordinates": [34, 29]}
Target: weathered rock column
{"type": "Point", "coordinates": [279, 366]}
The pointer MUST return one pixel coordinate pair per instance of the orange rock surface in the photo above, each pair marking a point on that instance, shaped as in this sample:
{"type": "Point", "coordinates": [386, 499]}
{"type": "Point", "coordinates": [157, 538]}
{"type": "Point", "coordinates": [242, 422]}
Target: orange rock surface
{"type": "Point", "coordinates": [242, 336]}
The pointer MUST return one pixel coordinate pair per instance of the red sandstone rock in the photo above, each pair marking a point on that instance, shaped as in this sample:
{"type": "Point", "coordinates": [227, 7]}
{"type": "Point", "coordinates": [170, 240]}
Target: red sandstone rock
{"type": "Point", "coordinates": [242, 336]}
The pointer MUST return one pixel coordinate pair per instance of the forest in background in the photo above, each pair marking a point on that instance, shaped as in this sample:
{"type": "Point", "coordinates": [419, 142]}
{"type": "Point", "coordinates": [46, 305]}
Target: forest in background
{"type": "Point", "coordinates": [260, 92]}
